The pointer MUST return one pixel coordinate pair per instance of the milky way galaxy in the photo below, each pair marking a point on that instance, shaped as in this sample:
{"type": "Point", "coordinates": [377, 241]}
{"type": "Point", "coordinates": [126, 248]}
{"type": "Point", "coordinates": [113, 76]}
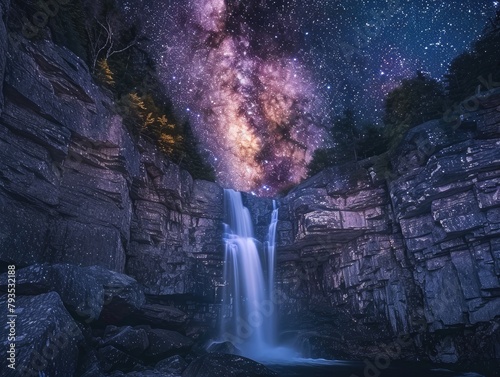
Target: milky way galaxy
{"type": "Point", "coordinates": [253, 106]}
{"type": "Point", "coordinates": [261, 80]}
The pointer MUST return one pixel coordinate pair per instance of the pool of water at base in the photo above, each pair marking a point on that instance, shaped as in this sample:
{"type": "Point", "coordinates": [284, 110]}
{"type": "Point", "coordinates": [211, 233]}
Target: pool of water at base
{"type": "Point", "coordinates": [331, 368]}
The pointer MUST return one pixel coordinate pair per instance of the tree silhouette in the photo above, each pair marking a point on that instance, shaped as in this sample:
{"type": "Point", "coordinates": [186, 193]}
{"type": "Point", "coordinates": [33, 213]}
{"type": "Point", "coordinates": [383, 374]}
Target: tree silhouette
{"type": "Point", "coordinates": [415, 101]}
{"type": "Point", "coordinates": [344, 135]}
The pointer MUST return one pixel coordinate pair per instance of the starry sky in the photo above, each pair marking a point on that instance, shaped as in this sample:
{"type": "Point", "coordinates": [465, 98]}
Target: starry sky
{"type": "Point", "coordinates": [261, 80]}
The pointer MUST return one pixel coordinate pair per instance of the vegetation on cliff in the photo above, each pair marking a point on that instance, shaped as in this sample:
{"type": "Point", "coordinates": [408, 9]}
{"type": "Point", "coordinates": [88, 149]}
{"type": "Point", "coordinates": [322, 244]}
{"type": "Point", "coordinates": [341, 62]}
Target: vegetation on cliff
{"type": "Point", "coordinates": [415, 101]}
{"type": "Point", "coordinates": [112, 45]}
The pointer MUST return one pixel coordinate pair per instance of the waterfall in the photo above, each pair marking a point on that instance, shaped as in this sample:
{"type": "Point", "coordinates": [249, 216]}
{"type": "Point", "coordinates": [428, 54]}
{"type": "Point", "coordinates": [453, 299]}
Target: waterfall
{"type": "Point", "coordinates": [249, 281]}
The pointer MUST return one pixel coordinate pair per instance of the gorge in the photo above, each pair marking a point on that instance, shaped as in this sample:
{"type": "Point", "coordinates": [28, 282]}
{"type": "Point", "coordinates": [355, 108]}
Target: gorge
{"type": "Point", "coordinates": [121, 248]}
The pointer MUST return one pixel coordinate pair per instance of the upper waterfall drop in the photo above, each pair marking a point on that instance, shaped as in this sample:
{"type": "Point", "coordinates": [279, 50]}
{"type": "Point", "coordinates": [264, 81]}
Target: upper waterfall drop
{"type": "Point", "coordinates": [249, 278]}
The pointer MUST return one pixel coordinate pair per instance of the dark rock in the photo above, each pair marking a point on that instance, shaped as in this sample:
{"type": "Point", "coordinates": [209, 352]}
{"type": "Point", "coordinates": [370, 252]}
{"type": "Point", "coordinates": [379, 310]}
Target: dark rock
{"type": "Point", "coordinates": [223, 365]}
{"type": "Point", "coordinates": [164, 343]}
{"type": "Point", "coordinates": [94, 371]}
{"type": "Point", "coordinates": [78, 288]}
{"type": "Point", "coordinates": [148, 373]}
{"type": "Point", "coordinates": [4, 8]}
{"type": "Point", "coordinates": [122, 294]}
{"type": "Point", "coordinates": [111, 358]}
{"type": "Point", "coordinates": [90, 366]}
{"type": "Point", "coordinates": [47, 338]}
{"type": "Point", "coordinates": [224, 347]}
{"type": "Point", "coordinates": [173, 364]}
{"type": "Point", "coordinates": [160, 316]}
{"type": "Point", "coordinates": [88, 292]}
{"type": "Point", "coordinates": [131, 341]}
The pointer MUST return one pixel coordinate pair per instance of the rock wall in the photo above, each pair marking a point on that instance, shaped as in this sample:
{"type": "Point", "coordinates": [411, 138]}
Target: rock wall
{"type": "Point", "coordinates": [4, 7]}
{"type": "Point", "coordinates": [76, 188]}
{"type": "Point", "coordinates": [362, 259]}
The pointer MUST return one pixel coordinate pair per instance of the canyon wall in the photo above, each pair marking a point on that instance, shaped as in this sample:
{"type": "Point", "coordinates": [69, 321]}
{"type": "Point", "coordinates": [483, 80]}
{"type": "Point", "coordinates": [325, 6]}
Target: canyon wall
{"type": "Point", "coordinates": [75, 187]}
{"type": "Point", "coordinates": [369, 254]}
{"type": "Point", "coordinates": [363, 255]}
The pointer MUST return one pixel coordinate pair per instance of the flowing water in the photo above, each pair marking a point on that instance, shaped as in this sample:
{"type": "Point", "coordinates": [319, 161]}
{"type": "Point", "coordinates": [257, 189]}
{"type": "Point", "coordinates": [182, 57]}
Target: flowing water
{"type": "Point", "coordinates": [249, 278]}
{"type": "Point", "coordinates": [249, 319]}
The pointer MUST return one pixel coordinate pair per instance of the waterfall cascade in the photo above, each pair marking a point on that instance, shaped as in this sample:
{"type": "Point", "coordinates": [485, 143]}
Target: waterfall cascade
{"type": "Point", "coordinates": [249, 279]}
{"type": "Point", "coordinates": [248, 307]}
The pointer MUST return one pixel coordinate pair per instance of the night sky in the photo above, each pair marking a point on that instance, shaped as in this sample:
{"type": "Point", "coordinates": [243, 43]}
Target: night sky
{"type": "Point", "coordinates": [260, 80]}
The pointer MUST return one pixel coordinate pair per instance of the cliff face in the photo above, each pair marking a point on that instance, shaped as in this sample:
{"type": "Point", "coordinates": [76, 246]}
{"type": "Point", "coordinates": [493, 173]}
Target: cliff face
{"type": "Point", "coordinates": [360, 260]}
{"type": "Point", "coordinates": [76, 188]}
{"type": "Point", "coordinates": [4, 6]}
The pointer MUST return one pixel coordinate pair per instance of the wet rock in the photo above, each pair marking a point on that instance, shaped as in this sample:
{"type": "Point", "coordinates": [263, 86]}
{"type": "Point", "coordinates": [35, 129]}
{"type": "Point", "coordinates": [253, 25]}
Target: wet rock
{"type": "Point", "coordinates": [224, 347]}
{"type": "Point", "coordinates": [223, 365]}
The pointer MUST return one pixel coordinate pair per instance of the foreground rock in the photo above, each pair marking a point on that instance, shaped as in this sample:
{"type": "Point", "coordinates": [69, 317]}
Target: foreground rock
{"type": "Point", "coordinates": [78, 288]}
{"type": "Point", "coordinates": [223, 347]}
{"type": "Point", "coordinates": [123, 295]}
{"type": "Point", "coordinates": [132, 341]}
{"type": "Point", "coordinates": [223, 365]}
{"type": "Point", "coordinates": [88, 292]}
{"type": "Point", "coordinates": [47, 338]}
{"type": "Point", "coordinates": [160, 316]}
{"type": "Point", "coordinates": [164, 343]}
{"type": "Point", "coordinates": [174, 364]}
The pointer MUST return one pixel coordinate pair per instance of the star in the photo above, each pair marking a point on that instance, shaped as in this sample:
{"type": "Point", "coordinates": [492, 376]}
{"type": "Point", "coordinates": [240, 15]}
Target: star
{"type": "Point", "coordinates": [261, 81]}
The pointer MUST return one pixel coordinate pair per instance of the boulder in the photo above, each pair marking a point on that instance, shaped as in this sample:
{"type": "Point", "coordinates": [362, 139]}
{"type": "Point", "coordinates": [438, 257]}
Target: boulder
{"type": "Point", "coordinates": [123, 295]}
{"type": "Point", "coordinates": [164, 343]}
{"type": "Point", "coordinates": [223, 347]}
{"type": "Point", "coordinates": [78, 288]}
{"type": "Point", "coordinates": [160, 316]}
{"type": "Point", "coordinates": [223, 365]}
{"type": "Point", "coordinates": [88, 292]}
{"type": "Point", "coordinates": [127, 339]}
{"type": "Point", "coordinates": [47, 338]}
{"type": "Point", "coordinates": [111, 358]}
{"type": "Point", "coordinates": [173, 364]}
